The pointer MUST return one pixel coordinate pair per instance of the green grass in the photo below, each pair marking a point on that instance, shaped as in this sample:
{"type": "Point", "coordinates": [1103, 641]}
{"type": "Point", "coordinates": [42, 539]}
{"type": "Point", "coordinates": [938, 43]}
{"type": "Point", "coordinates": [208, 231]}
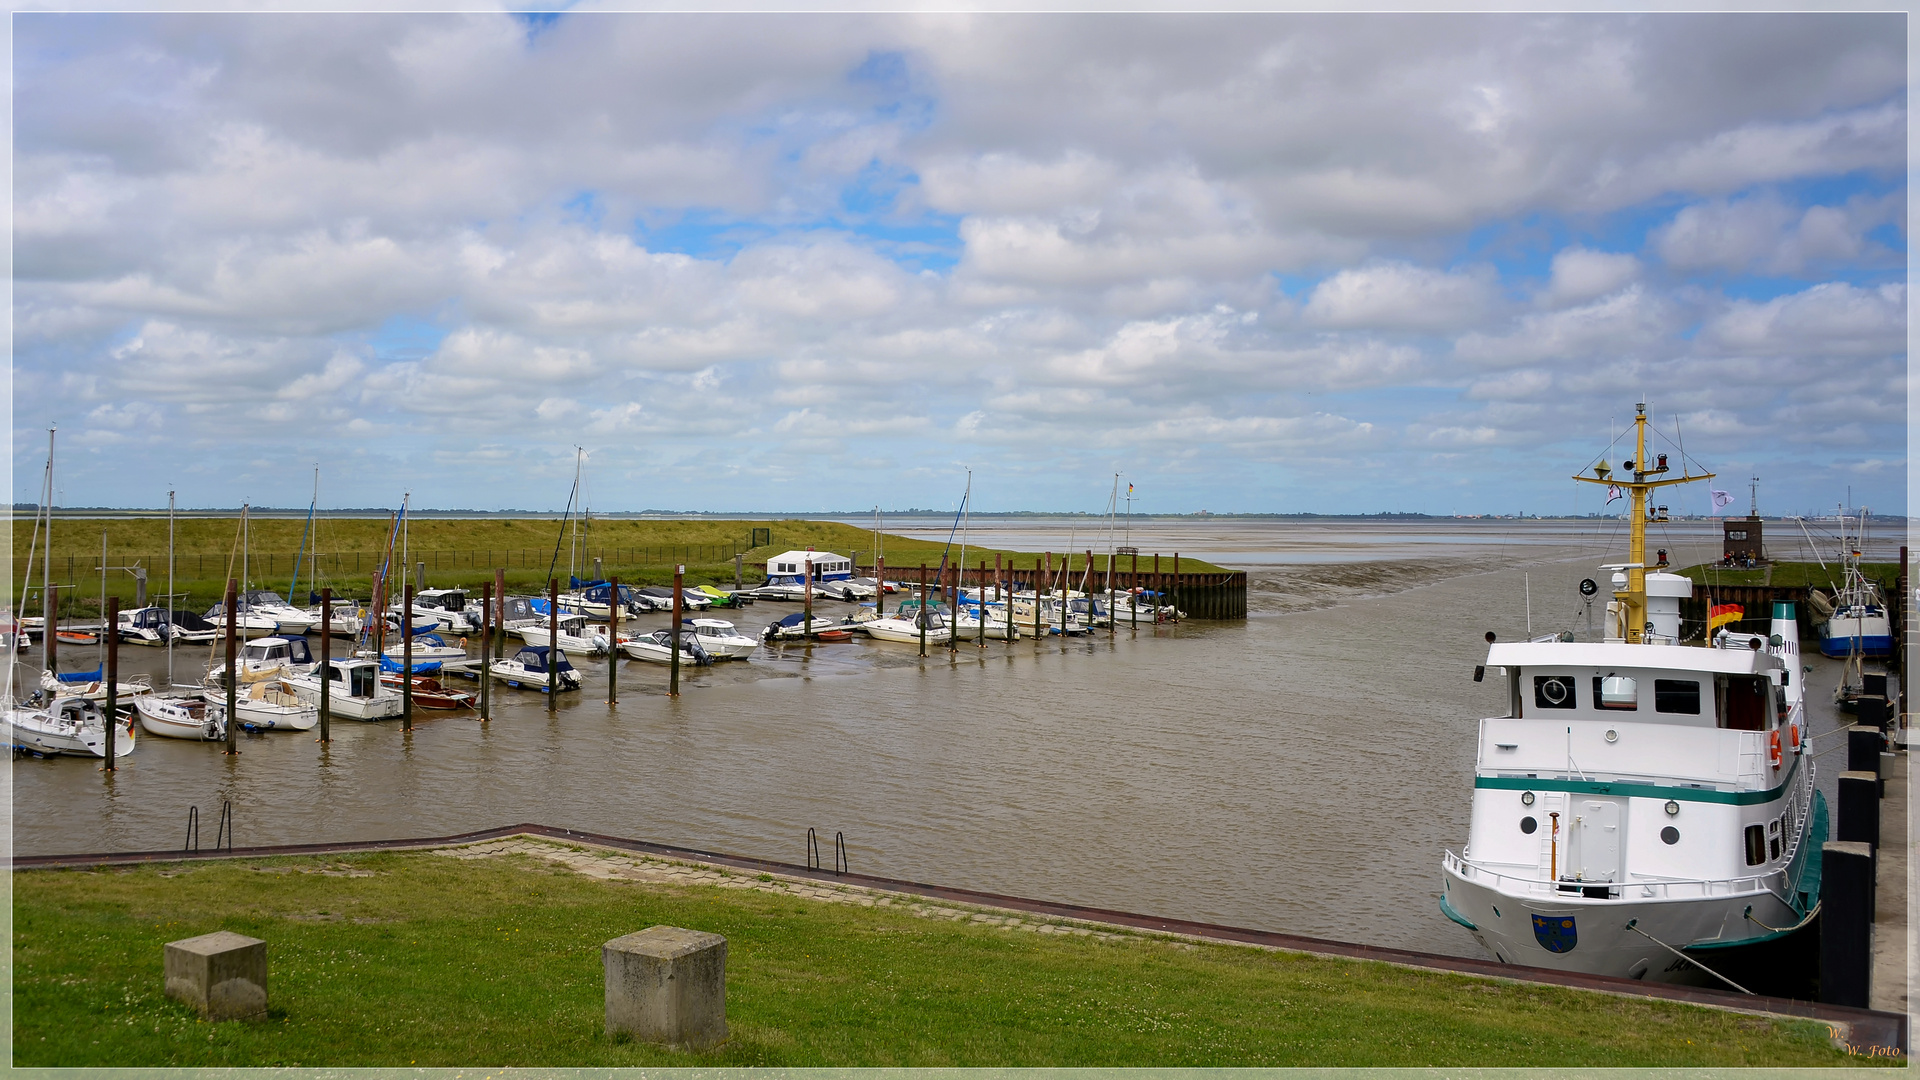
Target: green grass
{"type": "Point", "coordinates": [1791, 575]}
{"type": "Point", "coordinates": [458, 553]}
{"type": "Point", "coordinates": [423, 960]}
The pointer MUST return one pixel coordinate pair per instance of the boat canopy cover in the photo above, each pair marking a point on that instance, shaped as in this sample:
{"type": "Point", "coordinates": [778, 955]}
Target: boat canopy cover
{"type": "Point", "coordinates": [80, 676]}
{"type": "Point", "coordinates": [394, 667]}
{"type": "Point", "coordinates": [534, 658]}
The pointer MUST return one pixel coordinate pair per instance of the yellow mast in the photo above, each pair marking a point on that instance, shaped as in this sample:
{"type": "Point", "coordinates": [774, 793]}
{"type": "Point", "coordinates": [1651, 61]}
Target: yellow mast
{"type": "Point", "coordinates": [1633, 601]}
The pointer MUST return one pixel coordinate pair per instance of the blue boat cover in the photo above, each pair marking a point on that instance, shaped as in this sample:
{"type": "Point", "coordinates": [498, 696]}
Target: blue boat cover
{"type": "Point", "coordinates": [394, 667]}
{"type": "Point", "coordinates": [80, 676]}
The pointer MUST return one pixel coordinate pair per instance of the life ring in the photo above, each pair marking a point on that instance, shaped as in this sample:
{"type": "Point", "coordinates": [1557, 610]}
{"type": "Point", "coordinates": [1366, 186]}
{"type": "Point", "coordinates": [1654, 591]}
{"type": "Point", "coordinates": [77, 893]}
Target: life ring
{"type": "Point", "coordinates": [1773, 747]}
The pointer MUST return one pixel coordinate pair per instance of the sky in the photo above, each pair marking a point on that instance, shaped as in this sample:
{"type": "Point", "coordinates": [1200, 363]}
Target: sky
{"type": "Point", "coordinates": [797, 263]}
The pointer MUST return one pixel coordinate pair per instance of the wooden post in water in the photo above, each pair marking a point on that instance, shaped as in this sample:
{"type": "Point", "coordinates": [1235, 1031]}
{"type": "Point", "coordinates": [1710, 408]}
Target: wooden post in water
{"type": "Point", "coordinates": [233, 674]}
{"type": "Point", "coordinates": [499, 619]}
{"type": "Point", "coordinates": [406, 661]}
{"type": "Point", "coordinates": [879, 585]}
{"type": "Point", "coordinates": [486, 650]}
{"type": "Point", "coordinates": [673, 646]}
{"type": "Point", "coordinates": [111, 629]}
{"type": "Point", "coordinates": [1039, 582]}
{"type": "Point", "coordinates": [1133, 593]}
{"type": "Point", "coordinates": [981, 588]}
{"type": "Point", "coordinates": [326, 662]}
{"type": "Point", "coordinates": [553, 643]}
{"type": "Point", "coordinates": [806, 582]}
{"type": "Point", "coordinates": [1176, 586]}
{"type": "Point", "coordinates": [920, 616]}
{"type": "Point", "coordinates": [613, 644]}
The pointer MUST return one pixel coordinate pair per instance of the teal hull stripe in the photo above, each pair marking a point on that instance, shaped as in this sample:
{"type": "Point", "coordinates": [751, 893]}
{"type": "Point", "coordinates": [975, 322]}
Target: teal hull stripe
{"type": "Point", "coordinates": [1641, 791]}
{"type": "Point", "coordinates": [1447, 910]}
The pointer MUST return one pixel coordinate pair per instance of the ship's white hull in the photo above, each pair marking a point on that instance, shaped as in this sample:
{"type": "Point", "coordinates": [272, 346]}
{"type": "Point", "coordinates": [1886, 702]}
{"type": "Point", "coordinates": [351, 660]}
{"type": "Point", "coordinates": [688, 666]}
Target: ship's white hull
{"type": "Point", "coordinates": [516, 674]}
{"type": "Point", "coordinates": [384, 705]}
{"type": "Point", "coordinates": [905, 632]}
{"type": "Point", "coordinates": [1503, 922]}
{"type": "Point", "coordinates": [51, 734]}
{"type": "Point", "coordinates": [569, 643]}
{"type": "Point", "coordinates": [178, 718]}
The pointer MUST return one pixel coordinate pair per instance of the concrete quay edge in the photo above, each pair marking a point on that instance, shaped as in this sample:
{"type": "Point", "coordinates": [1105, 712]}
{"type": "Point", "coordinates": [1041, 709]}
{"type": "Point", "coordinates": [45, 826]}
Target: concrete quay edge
{"type": "Point", "coordinates": [1861, 1031]}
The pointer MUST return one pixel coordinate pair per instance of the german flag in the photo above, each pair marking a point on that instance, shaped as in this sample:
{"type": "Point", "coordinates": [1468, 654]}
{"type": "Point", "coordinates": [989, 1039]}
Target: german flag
{"type": "Point", "coordinates": [1722, 614]}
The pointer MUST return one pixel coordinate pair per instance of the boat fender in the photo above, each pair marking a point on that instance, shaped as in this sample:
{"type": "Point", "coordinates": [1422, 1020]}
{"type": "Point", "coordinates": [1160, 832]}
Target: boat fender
{"type": "Point", "coordinates": [1794, 731]}
{"type": "Point", "coordinates": [1773, 747]}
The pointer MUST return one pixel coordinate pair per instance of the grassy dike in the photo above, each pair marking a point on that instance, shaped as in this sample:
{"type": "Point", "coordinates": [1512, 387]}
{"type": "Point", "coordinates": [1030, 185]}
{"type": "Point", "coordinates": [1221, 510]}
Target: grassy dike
{"type": "Point", "coordinates": [419, 959]}
{"type": "Point", "coordinates": [458, 552]}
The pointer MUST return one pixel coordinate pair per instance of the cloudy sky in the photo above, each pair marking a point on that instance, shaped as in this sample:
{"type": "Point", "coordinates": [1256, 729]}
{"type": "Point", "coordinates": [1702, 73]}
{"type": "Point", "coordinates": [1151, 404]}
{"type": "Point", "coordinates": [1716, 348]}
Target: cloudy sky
{"type": "Point", "coordinates": [794, 263]}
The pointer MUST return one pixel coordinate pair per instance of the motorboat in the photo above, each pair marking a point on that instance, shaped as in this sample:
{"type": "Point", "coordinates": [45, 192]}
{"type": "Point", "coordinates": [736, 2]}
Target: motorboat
{"type": "Point", "coordinates": [155, 626]}
{"type": "Point", "coordinates": [796, 627]}
{"type": "Point", "coordinates": [1139, 606]}
{"type": "Point", "coordinates": [431, 693]}
{"type": "Point", "coordinates": [259, 612]}
{"type": "Point", "coordinates": [92, 685]}
{"type": "Point", "coordinates": [266, 658]}
{"type": "Point", "coordinates": [353, 689]}
{"type": "Point", "coordinates": [424, 622]}
{"type": "Point", "coordinates": [657, 648]}
{"type": "Point", "coordinates": [427, 649]}
{"type": "Point", "coordinates": [346, 619]}
{"type": "Point", "coordinates": [722, 597]}
{"type": "Point", "coordinates": [180, 718]}
{"type": "Point", "coordinates": [660, 598]}
{"type": "Point", "coordinates": [906, 629]}
{"type": "Point", "coordinates": [519, 611]}
{"type": "Point", "coordinates": [1641, 809]}
{"type": "Point", "coordinates": [527, 669]}
{"type": "Point", "coordinates": [721, 641]}
{"type": "Point", "coordinates": [270, 705]}
{"type": "Point", "coordinates": [575, 636]}
{"type": "Point", "coordinates": [67, 724]}
{"type": "Point", "coordinates": [447, 607]}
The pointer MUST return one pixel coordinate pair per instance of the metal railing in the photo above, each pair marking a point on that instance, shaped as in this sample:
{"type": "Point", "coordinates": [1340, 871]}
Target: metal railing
{"type": "Point", "coordinates": [1648, 887]}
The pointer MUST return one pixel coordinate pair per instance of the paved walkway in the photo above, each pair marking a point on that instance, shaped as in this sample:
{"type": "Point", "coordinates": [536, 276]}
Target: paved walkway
{"type": "Point", "coordinates": [1893, 946]}
{"type": "Point", "coordinates": [622, 866]}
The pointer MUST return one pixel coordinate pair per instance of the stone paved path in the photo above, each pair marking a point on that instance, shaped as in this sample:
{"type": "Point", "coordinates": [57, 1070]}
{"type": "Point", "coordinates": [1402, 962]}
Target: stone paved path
{"type": "Point", "coordinates": [623, 866]}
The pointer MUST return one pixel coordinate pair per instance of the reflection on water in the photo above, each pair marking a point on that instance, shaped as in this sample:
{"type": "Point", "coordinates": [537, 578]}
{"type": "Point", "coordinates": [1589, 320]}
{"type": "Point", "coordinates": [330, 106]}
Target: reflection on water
{"type": "Point", "coordinates": [1300, 771]}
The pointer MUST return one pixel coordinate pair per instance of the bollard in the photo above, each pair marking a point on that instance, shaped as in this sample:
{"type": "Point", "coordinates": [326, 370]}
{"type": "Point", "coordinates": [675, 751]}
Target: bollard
{"type": "Point", "coordinates": [1863, 748]}
{"type": "Point", "coordinates": [1870, 711]}
{"type": "Point", "coordinates": [1846, 923]}
{"type": "Point", "coordinates": [1873, 684]}
{"type": "Point", "coordinates": [223, 975]}
{"type": "Point", "coordinates": [1859, 808]}
{"type": "Point", "coordinates": [667, 985]}
{"type": "Point", "coordinates": [326, 661]}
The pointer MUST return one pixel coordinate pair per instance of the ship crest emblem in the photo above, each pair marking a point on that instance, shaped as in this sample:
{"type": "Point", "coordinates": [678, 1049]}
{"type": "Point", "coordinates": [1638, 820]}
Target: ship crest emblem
{"type": "Point", "coordinates": [1556, 933]}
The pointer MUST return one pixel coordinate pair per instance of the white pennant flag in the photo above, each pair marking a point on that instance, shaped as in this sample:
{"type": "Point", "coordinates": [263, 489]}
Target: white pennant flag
{"type": "Point", "coordinates": [1721, 499]}
{"type": "Point", "coordinates": [1613, 492]}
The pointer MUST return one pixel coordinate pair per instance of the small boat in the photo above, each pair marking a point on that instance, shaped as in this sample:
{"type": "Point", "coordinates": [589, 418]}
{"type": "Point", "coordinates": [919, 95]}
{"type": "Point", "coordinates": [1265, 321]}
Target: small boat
{"type": "Point", "coordinates": [575, 637]}
{"type": "Point", "coordinates": [723, 598]}
{"type": "Point", "coordinates": [427, 649]}
{"type": "Point", "coordinates": [92, 685]}
{"type": "Point", "coordinates": [77, 636]}
{"type": "Point", "coordinates": [527, 669]}
{"type": "Point", "coordinates": [430, 693]}
{"type": "Point", "coordinates": [266, 658]}
{"type": "Point", "coordinates": [721, 641]}
{"type": "Point", "coordinates": [155, 625]}
{"type": "Point", "coordinates": [446, 607]}
{"type": "Point", "coordinates": [346, 620]}
{"type": "Point", "coordinates": [259, 612]}
{"type": "Point", "coordinates": [519, 611]}
{"type": "Point", "coordinates": [907, 630]}
{"type": "Point", "coordinates": [271, 705]}
{"type": "Point", "coordinates": [423, 623]}
{"type": "Point", "coordinates": [656, 648]}
{"type": "Point", "coordinates": [68, 725]}
{"type": "Point", "coordinates": [353, 689]}
{"type": "Point", "coordinates": [1858, 625]}
{"type": "Point", "coordinates": [180, 718]}
{"type": "Point", "coordinates": [661, 598]}
{"type": "Point", "coordinates": [795, 627]}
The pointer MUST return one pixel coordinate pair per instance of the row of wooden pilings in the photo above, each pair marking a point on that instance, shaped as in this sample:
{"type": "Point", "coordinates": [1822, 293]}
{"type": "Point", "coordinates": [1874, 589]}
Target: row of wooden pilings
{"type": "Point", "coordinates": [1213, 595]}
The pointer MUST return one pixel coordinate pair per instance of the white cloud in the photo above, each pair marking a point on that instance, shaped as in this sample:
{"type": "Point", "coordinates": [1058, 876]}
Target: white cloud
{"type": "Point", "coordinates": [1401, 296]}
{"type": "Point", "coordinates": [1828, 320]}
{"type": "Point", "coordinates": [1580, 274]}
{"type": "Point", "coordinates": [1766, 233]}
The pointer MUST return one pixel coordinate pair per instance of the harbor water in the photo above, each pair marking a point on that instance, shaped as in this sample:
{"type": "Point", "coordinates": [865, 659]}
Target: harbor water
{"type": "Point", "coordinates": [1301, 770]}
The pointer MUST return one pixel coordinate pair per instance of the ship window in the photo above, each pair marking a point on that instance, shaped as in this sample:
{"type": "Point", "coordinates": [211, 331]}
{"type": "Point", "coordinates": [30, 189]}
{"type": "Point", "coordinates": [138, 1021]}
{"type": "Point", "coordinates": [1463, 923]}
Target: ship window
{"type": "Point", "coordinates": [1676, 696]}
{"type": "Point", "coordinates": [1616, 692]}
{"type": "Point", "coordinates": [1756, 845]}
{"type": "Point", "coordinates": [1527, 825]}
{"type": "Point", "coordinates": [1746, 708]}
{"type": "Point", "coordinates": [1773, 847]}
{"type": "Point", "coordinates": [1669, 835]}
{"type": "Point", "coordinates": [1553, 691]}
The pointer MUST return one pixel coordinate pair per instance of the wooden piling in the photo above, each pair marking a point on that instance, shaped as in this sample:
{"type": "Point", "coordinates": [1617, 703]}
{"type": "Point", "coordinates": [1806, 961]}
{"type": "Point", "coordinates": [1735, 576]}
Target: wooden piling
{"type": "Point", "coordinates": [879, 585]}
{"type": "Point", "coordinates": [1133, 593]}
{"type": "Point", "coordinates": [486, 650]}
{"type": "Point", "coordinates": [553, 644]}
{"type": "Point", "coordinates": [406, 661]}
{"type": "Point", "coordinates": [613, 644]}
{"type": "Point", "coordinates": [233, 674]}
{"type": "Point", "coordinates": [326, 662]}
{"type": "Point", "coordinates": [673, 675]}
{"type": "Point", "coordinates": [806, 582]}
{"type": "Point", "coordinates": [920, 617]}
{"type": "Point", "coordinates": [111, 628]}
{"type": "Point", "coordinates": [1175, 601]}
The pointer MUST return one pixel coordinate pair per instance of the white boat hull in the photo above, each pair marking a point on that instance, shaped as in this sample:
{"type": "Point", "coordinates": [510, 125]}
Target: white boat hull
{"type": "Point", "coordinates": [515, 674]}
{"type": "Point", "coordinates": [569, 643]}
{"type": "Point", "coordinates": [904, 632]}
{"type": "Point", "coordinates": [179, 718]}
{"type": "Point", "coordinates": [50, 734]}
{"type": "Point", "coordinates": [382, 706]}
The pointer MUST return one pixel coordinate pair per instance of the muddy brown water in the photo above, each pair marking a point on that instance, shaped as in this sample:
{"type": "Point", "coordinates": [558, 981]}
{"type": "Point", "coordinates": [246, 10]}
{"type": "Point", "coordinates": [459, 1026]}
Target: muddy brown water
{"type": "Point", "coordinates": [1300, 771]}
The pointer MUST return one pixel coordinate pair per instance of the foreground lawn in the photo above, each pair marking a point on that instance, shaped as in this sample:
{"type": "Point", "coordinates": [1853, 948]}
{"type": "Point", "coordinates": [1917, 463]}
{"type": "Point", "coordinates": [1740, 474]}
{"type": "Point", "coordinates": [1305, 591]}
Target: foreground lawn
{"type": "Point", "coordinates": [418, 959]}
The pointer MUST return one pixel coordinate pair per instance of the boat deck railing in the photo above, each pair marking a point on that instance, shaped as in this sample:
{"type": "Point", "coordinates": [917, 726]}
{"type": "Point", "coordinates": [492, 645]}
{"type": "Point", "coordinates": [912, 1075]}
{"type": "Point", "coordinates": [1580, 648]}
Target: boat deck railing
{"type": "Point", "coordinates": [1636, 887]}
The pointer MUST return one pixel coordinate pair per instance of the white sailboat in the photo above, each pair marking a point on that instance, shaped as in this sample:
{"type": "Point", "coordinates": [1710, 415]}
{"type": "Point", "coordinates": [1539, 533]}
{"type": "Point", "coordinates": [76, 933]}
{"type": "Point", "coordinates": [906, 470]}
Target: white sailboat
{"type": "Point", "coordinates": [181, 718]}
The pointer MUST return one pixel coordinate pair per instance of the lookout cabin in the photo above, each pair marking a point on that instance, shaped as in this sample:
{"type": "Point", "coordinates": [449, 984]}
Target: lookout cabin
{"type": "Point", "coordinates": [791, 568]}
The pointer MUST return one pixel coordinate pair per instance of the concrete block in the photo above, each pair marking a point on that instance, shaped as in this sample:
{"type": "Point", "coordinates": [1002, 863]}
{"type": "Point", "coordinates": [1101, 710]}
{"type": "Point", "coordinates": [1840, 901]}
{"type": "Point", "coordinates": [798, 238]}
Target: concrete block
{"type": "Point", "coordinates": [668, 985]}
{"type": "Point", "coordinates": [223, 974]}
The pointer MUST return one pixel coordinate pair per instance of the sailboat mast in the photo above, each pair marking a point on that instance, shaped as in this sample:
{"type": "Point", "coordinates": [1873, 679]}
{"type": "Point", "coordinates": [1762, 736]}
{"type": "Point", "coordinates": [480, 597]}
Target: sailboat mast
{"type": "Point", "coordinates": [304, 534]}
{"type": "Point", "coordinates": [169, 588]}
{"type": "Point", "coordinates": [406, 502]}
{"type": "Point", "coordinates": [46, 567]}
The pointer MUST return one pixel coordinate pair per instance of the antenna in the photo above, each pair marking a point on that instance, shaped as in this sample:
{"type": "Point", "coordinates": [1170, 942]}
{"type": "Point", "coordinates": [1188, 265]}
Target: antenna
{"type": "Point", "coordinates": [1753, 497]}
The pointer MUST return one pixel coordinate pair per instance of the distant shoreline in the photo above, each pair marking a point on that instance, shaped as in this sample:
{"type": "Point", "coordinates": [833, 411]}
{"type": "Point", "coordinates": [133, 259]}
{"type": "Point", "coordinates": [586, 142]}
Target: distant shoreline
{"type": "Point", "coordinates": [82, 513]}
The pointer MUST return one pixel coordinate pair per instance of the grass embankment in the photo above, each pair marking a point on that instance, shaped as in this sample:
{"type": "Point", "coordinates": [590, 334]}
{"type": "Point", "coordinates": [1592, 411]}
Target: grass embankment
{"type": "Point", "coordinates": [418, 959]}
{"type": "Point", "coordinates": [457, 553]}
{"type": "Point", "coordinates": [1791, 575]}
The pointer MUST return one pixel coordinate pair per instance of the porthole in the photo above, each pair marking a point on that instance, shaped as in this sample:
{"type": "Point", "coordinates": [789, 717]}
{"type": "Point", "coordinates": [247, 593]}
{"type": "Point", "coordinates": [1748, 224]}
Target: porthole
{"type": "Point", "coordinates": [1527, 825]}
{"type": "Point", "coordinates": [1669, 835]}
{"type": "Point", "coordinates": [1612, 735]}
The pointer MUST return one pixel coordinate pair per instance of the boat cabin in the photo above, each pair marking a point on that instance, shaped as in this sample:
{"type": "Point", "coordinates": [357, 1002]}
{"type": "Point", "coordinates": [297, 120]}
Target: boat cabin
{"type": "Point", "coordinates": [1734, 689]}
{"type": "Point", "coordinates": [354, 677]}
{"type": "Point", "coordinates": [792, 567]}
{"type": "Point", "coordinates": [439, 600]}
{"type": "Point", "coordinates": [266, 652]}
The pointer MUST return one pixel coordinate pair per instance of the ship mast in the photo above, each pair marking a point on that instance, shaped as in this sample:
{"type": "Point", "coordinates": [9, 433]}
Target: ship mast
{"type": "Point", "coordinates": [1633, 601]}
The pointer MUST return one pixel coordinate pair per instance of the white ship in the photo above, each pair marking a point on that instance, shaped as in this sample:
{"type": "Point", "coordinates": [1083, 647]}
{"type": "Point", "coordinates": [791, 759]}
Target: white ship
{"type": "Point", "coordinates": [1643, 809]}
